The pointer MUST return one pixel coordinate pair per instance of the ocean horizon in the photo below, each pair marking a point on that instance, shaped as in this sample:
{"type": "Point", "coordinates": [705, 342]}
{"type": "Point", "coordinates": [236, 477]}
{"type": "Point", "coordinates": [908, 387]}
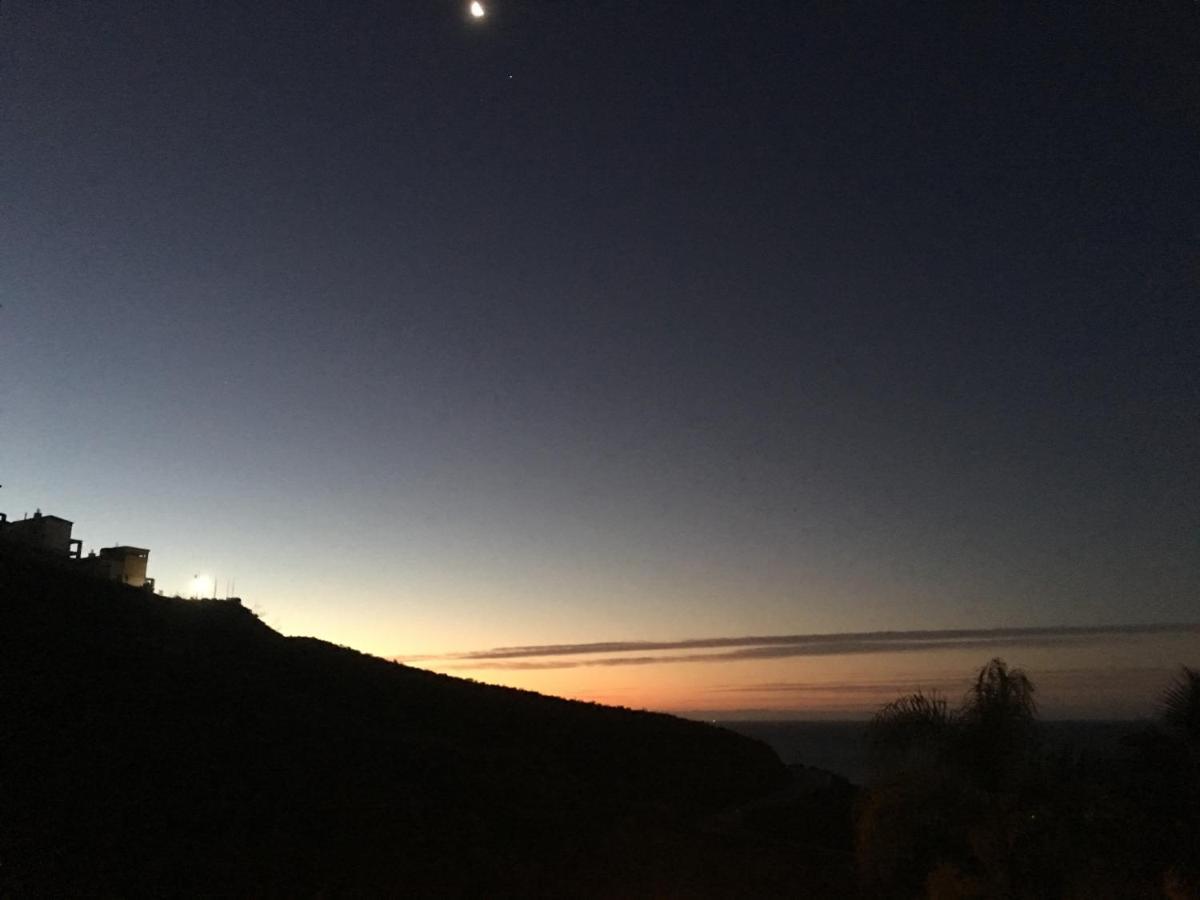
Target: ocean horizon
{"type": "Point", "coordinates": [839, 746]}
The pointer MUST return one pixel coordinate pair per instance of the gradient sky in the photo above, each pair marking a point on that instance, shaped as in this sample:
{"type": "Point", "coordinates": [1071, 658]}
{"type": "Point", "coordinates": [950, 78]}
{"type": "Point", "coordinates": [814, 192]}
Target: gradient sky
{"type": "Point", "coordinates": [621, 322]}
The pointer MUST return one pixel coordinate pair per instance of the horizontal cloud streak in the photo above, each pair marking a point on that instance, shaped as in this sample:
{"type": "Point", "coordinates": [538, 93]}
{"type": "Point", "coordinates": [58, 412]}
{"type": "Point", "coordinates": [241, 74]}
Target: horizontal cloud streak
{"type": "Point", "coordinates": [732, 649]}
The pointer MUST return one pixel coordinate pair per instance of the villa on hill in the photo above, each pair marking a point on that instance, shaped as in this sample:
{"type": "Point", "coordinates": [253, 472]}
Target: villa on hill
{"type": "Point", "coordinates": [51, 536]}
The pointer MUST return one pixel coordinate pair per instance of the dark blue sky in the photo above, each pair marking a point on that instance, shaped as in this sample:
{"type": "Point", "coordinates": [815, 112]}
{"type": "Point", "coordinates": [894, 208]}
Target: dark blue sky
{"type": "Point", "coordinates": [606, 320]}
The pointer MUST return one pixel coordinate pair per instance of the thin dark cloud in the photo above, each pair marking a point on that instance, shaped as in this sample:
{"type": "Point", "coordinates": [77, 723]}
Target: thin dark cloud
{"type": "Point", "coordinates": [732, 649]}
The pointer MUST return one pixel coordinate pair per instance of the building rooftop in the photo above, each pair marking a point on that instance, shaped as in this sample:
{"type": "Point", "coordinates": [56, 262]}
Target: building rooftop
{"type": "Point", "coordinates": [38, 517]}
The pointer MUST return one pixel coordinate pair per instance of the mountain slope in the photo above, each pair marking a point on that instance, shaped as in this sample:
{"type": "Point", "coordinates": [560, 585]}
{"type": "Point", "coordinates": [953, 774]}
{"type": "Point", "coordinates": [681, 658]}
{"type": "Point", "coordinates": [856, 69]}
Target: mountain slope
{"type": "Point", "coordinates": [163, 746]}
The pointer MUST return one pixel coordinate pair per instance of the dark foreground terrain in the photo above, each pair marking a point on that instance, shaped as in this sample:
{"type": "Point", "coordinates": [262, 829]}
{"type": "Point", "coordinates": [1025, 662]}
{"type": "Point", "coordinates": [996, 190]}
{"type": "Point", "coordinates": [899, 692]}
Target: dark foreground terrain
{"type": "Point", "coordinates": [155, 746]}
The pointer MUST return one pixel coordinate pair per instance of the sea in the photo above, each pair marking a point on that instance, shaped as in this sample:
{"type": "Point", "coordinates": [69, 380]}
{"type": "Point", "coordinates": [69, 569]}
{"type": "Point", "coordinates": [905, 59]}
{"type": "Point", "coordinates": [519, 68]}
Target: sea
{"type": "Point", "coordinates": [840, 746]}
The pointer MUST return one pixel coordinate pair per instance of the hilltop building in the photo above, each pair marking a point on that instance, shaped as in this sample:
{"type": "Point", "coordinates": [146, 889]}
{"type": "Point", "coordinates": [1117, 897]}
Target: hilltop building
{"type": "Point", "coordinates": [124, 564]}
{"type": "Point", "coordinates": [50, 534]}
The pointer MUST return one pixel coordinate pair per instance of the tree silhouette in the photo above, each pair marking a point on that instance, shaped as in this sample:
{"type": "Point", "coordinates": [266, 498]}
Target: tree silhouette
{"type": "Point", "coordinates": [998, 724]}
{"type": "Point", "coordinates": [908, 732]}
{"type": "Point", "coordinates": [1180, 708]}
{"type": "Point", "coordinates": [1000, 694]}
{"type": "Point", "coordinates": [1178, 765]}
{"type": "Point", "coordinates": [988, 737]}
{"type": "Point", "coordinates": [970, 803]}
{"type": "Point", "coordinates": [949, 796]}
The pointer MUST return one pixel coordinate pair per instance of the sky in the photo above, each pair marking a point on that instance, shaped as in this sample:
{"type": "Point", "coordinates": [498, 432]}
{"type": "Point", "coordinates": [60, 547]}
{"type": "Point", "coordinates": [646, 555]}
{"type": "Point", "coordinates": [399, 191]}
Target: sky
{"type": "Point", "coordinates": [622, 323]}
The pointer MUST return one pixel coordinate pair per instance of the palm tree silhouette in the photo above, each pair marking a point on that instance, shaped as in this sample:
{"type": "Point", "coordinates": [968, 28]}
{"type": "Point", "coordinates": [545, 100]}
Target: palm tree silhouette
{"type": "Point", "coordinates": [989, 736]}
{"type": "Point", "coordinates": [1180, 708]}
{"type": "Point", "coordinates": [1179, 760]}
{"type": "Point", "coordinates": [998, 724]}
{"type": "Point", "coordinates": [910, 732]}
{"type": "Point", "coordinates": [947, 786]}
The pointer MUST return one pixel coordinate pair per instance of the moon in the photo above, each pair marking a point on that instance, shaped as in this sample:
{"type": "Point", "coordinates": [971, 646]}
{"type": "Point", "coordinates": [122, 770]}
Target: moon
{"type": "Point", "coordinates": [477, 10]}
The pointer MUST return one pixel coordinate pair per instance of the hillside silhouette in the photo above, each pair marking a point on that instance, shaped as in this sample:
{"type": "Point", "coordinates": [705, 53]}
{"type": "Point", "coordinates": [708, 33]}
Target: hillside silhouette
{"type": "Point", "coordinates": [158, 746]}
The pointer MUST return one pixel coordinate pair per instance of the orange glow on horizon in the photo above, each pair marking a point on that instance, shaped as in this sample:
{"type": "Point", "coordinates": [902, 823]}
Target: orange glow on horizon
{"type": "Point", "coordinates": [1114, 678]}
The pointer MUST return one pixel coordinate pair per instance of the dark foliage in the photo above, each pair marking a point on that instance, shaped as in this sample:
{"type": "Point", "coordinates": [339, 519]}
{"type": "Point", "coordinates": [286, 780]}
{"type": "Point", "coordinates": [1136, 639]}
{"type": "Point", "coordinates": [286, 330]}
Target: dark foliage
{"type": "Point", "coordinates": [973, 804]}
{"type": "Point", "coordinates": [1181, 707]}
{"type": "Point", "coordinates": [910, 731]}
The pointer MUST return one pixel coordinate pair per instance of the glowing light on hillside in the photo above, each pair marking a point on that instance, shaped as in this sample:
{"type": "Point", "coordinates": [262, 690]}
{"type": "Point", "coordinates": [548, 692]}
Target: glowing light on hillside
{"type": "Point", "coordinates": [201, 586]}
